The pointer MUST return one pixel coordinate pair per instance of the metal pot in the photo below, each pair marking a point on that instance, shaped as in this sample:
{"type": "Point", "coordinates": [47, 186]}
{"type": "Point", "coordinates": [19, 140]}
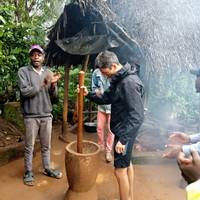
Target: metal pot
{"type": "Point", "coordinates": [90, 127]}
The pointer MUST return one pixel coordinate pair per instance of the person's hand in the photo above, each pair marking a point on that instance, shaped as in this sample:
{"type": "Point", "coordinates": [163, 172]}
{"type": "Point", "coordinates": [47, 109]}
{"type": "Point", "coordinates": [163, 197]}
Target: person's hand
{"type": "Point", "coordinates": [85, 90]}
{"type": "Point", "coordinates": [98, 92]}
{"type": "Point", "coordinates": [48, 78]}
{"type": "Point", "coordinates": [119, 147]}
{"type": "Point", "coordinates": [172, 151]}
{"type": "Point", "coordinates": [56, 76]}
{"type": "Point", "coordinates": [52, 78]}
{"type": "Point", "coordinates": [190, 167]}
{"type": "Point", "coordinates": [179, 138]}
{"type": "Point", "coordinates": [183, 160]}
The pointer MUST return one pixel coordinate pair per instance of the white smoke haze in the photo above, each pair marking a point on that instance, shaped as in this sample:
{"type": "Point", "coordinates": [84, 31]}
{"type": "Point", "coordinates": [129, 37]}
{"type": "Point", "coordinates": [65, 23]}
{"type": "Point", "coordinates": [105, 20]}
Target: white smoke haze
{"type": "Point", "coordinates": [167, 30]}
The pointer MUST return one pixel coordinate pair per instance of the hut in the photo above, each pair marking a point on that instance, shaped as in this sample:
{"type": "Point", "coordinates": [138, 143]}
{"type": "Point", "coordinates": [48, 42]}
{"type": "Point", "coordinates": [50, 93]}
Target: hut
{"type": "Point", "coordinates": [85, 28]}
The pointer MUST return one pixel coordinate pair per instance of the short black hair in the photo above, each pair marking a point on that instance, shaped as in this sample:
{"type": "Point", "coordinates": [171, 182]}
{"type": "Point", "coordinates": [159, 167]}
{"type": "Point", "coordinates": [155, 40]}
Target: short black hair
{"type": "Point", "coordinates": [105, 59]}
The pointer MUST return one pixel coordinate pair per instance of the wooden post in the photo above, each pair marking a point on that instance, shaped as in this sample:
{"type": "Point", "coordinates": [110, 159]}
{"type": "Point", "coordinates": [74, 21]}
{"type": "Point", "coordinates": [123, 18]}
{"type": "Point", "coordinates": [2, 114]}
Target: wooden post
{"type": "Point", "coordinates": [64, 134]}
{"type": "Point", "coordinates": [84, 68]}
{"type": "Point", "coordinates": [80, 113]}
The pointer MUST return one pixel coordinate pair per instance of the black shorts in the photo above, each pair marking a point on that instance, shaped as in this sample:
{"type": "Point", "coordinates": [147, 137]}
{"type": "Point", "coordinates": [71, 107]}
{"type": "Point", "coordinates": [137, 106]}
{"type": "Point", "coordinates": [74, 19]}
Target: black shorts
{"type": "Point", "coordinates": [122, 160]}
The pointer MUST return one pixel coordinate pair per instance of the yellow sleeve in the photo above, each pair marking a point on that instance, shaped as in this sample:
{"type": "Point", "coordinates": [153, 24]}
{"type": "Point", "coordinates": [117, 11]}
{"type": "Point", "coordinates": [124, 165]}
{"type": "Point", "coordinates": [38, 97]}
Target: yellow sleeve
{"type": "Point", "coordinates": [193, 191]}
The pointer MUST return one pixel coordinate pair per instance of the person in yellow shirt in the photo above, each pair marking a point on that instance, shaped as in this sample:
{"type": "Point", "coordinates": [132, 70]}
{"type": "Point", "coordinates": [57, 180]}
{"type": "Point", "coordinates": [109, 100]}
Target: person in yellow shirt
{"type": "Point", "coordinates": [190, 169]}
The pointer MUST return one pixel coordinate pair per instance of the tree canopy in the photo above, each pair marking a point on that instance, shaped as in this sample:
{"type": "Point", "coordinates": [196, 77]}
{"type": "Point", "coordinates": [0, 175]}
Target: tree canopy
{"type": "Point", "coordinates": [166, 30]}
{"type": "Point", "coordinates": [22, 23]}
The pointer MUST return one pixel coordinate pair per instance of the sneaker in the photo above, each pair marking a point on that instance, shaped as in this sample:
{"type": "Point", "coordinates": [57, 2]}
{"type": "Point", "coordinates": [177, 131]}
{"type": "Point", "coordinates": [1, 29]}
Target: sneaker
{"type": "Point", "coordinates": [53, 173]}
{"type": "Point", "coordinates": [109, 156]}
{"type": "Point", "coordinates": [28, 178]}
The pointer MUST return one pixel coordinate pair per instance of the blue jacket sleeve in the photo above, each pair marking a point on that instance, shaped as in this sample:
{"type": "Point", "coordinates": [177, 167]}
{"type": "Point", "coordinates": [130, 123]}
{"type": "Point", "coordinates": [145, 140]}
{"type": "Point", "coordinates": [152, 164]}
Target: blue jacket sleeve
{"type": "Point", "coordinates": [94, 81]}
{"type": "Point", "coordinates": [195, 138]}
{"type": "Point", "coordinates": [187, 148]}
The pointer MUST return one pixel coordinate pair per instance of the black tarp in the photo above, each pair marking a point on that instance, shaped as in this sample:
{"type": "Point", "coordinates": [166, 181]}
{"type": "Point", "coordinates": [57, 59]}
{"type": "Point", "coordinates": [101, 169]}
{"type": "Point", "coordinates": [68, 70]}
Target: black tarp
{"type": "Point", "coordinates": [89, 27]}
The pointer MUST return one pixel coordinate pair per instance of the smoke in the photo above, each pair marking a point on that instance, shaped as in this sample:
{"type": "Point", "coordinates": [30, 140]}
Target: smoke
{"type": "Point", "coordinates": [167, 31]}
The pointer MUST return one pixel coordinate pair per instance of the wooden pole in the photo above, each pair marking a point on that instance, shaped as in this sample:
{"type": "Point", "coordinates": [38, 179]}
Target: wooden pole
{"type": "Point", "coordinates": [80, 113]}
{"type": "Point", "coordinates": [63, 136]}
{"type": "Point", "coordinates": [84, 68]}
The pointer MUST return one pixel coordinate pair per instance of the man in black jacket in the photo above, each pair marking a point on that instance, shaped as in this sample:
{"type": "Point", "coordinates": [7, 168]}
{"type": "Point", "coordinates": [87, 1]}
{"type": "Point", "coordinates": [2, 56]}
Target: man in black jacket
{"type": "Point", "coordinates": [127, 113]}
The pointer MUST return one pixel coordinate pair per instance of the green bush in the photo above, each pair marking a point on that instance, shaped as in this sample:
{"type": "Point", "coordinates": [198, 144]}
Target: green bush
{"type": "Point", "coordinates": [73, 82]}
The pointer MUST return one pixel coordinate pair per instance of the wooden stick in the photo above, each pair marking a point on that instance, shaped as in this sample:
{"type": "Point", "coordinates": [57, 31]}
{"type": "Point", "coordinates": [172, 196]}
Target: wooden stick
{"type": "Point", "coordinates": [85, 65]}
{"type": "Point", "coordinates": [65, 105]}
{"type": "Point", "coordinates": [80, 113]}
{"type": "Point", "coordinates": [84, 68]}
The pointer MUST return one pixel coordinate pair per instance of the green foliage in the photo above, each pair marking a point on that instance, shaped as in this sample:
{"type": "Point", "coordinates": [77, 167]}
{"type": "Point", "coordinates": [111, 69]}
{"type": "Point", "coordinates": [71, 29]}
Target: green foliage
{"type": "Point", "coordinates": [22, 23]}
{"type": "Point", "coordinates": [174, 97]}
{"type": "Point", "coordinates": [73, 82]}
{"type": "Point", "coordinates": [25, 22]}
{"type": "Point", "coordinates": [15, 39]}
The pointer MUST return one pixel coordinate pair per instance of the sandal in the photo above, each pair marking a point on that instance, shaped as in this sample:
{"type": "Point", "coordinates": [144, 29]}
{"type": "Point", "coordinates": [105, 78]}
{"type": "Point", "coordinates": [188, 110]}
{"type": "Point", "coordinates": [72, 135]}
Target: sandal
{"type": "Point", "coordinates": [28, 178]}
{"type": "Point", "coordinates": [53, 173]}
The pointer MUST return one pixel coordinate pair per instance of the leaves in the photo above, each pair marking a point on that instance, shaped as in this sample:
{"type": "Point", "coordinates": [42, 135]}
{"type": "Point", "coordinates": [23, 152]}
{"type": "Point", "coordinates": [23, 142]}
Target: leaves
{"type": "Point", "coordinates": [2, 19]}
{"type": "Point", "coordinates": [174, 96]}
{"type": "Point", "coordinates": [22, 23]}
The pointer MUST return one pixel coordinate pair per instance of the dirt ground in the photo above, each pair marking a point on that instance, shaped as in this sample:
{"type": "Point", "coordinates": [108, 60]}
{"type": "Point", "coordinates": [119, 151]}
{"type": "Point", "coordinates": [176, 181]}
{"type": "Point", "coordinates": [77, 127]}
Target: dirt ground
{"type": "Point", "coordinates": [9, 134]}
{"type": "Point", "coordinates": [155, 178]}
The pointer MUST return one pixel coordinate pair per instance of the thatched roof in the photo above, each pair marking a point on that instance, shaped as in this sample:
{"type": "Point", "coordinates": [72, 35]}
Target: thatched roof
{"type": "Point", "coordinates": [89, 27]}
{"type": "Point", "coordinates": [166, 30]}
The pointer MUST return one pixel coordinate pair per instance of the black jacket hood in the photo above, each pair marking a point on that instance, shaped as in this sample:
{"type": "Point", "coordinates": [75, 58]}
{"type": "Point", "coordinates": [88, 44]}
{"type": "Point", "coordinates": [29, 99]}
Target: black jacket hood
{"type": "Point", "coordinates": [126, 70]}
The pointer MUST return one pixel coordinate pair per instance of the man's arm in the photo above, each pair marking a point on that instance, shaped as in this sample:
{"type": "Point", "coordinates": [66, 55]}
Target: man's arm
{"type": "Point", "coordinates": [105, 98]}
{"type": "Point", "coordinates": [26, 89]}
{"type": "Point", "coordinates": [187, 148]}
{"type": "Point", "coordinates": [194, 138]}
{"type": "Point", "coordinates": [182, 138]}
{"type": "Point", "coordinates": [176, 140]}
{"type": "Point", "coordinates": [174, 149]}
